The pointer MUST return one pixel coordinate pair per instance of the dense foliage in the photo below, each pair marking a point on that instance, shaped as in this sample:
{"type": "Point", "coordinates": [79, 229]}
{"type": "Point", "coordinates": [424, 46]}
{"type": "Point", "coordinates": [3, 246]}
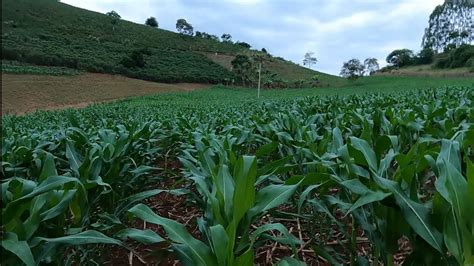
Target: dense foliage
{"type": "Point", "coordinates": [85, 40]}
{"type": "Point", "coordinates": [378, 167]}
{"type": "Point", "coordinates": [459, 57]}
{"type": "Point", "coordinates": [450, 25]}
{"type": "Point", "coordinates": [13, 67]}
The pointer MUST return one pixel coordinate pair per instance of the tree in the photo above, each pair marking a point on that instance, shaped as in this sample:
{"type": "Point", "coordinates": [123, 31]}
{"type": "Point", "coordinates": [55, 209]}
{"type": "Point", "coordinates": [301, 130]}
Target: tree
{"type": "Point", "coordinates": [205, 35]}
{"type": "Point", "coordinates": [151, 21]}
{"type": "Point", "coordinates": [352, 69]}
{"type": "Point", "coordinates": [400, 57]}
{"type": "Point", "coordinates": [371, 65]}
{"type": "Point", "coordinates": [214, 37]}
{"type": "Point", "coordinates": [136, 59]}
{"type": "Point", "coordinates": [226, 37]}
{"type": "Point", "coordinates": [114, 18]}
{"type": "Point", "coordinates": [450, 25]}
{"type": "Point", "coordinates": [242, 66]}
{"type": "Point", "coordinates": [309, 59]}
{"type": "Point", "coordinates": [264, 51]}
{"type": "Point", "coordinates": [183, 27]}
{"type": "Point", "coordinates": [425, 56]}
{"type": "Point", "coordinates": [244, 44]}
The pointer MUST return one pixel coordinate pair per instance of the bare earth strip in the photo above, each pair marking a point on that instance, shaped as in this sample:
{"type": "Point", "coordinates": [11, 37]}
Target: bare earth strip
{"type": "Point", "coordinates": [27, 93]}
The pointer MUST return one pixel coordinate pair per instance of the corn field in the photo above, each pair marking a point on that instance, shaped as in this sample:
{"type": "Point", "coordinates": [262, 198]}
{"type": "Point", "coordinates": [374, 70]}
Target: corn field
{"type": "Point", "coordinates": [364, 179]}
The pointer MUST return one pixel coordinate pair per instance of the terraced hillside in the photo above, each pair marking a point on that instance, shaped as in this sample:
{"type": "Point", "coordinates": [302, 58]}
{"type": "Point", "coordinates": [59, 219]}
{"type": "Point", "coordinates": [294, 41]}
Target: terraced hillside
{"type": "Point", "coordinates": [86, 40]}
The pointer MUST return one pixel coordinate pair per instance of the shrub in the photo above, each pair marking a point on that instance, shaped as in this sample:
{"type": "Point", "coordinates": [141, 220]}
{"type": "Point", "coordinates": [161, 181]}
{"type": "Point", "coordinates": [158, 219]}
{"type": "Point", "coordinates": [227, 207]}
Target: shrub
{"type": "Point", "coordinates": [459, 57]}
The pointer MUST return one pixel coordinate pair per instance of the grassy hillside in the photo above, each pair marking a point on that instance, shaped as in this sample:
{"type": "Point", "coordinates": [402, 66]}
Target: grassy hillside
{"type": "Point", "coordinates": [429, 71]}
{"type": "Point", "coordinates": [287, 71]}
{"type": "Point", "coordinates": [46, 32]}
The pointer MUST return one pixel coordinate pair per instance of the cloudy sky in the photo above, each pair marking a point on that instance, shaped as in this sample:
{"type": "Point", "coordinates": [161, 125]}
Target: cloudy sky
{"type": "Point", "coordinates": [335, 30]}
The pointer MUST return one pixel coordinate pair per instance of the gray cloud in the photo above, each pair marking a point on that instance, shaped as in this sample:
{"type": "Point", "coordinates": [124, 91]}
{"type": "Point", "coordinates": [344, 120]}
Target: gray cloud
{"type": "Point", "coordinates": [336, 30]}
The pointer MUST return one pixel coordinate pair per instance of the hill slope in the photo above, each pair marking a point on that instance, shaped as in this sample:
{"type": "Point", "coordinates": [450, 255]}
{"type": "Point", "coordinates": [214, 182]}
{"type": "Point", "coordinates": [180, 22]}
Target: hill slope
{"type": "Point", "coordinates": [46, 32]}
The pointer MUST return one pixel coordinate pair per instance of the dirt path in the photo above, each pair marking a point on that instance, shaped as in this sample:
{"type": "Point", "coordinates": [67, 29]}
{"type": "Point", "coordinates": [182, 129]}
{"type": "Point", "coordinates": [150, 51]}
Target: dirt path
{"type": "Point", "coordinates": [27, 93]}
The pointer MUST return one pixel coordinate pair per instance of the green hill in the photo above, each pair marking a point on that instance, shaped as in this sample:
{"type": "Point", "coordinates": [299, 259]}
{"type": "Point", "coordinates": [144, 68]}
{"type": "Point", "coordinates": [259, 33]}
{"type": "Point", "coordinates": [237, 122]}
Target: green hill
{"type": "Point", "coordinates": [47, 32]}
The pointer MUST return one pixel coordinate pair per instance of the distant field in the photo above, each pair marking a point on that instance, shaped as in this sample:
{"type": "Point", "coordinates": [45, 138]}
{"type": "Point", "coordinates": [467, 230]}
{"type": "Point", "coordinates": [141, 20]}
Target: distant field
{"type": "Point", "coordinates": [27, 93]}
{"type": "Point", "coordinates": [14, 67]}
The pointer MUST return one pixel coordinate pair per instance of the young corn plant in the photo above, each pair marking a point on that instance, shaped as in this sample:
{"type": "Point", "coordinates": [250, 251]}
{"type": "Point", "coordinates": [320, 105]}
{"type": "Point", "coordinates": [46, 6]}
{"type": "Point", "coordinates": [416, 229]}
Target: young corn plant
{"type": "Point", "coordinates": [232, 203]}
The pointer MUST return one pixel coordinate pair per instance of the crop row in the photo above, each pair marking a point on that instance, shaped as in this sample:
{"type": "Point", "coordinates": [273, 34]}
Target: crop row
{"type": "Point", "coordinates": [366, 172]}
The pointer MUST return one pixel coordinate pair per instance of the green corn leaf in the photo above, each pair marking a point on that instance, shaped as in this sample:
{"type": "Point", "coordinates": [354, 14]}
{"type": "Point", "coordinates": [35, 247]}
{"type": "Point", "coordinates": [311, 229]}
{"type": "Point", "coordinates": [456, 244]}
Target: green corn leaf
{"type": "Point", "coordinates": [244, 174]}
{"type": "Point", "coordinates": [272, 196]}
{"type": "Point", "coordinates": [266, 149]}
{"type": "Point", "coordinates": [452, 236]}
{"type": "Point", "coordinates": [142, 236]}
{"type": "Point", "coordinates": [364, 147]}
{"type": "Point", "coordinates": [287, 237]}
{"type": "Point", "coordinates": [75, 161]}
{"type": "Point", "coordinates": [450, 152]}
{"type": "Point", "coordinates": [304, 195]}
{"type": "Point", "coordinates": [385, 143]}
{"type": "Point", "coordinates": [416, 214]}
{"type": "Point", "coordinates": [369, 197]}
{"type": "Point", "coordinates": [126, 203]}
{"type": "Point", "coordinates": [19, 248]}
{"type": "Point", "coordinates": [226, 187]}
{"type": "Point", "coordinates": [355, 186]}
{"type": "Point", "coordinates": [245, 259]}
{"type": "Point", "coordinates": [59, 208]}
{"type": "Point", "coordinates": [49, 184]}
{"type": "Point", "coordinates": [337, 140]}
{"type": "Point", "coordinates": [220, 242]}
{"type": "Point", "coordinates": [86, 237]}
{"type": "Point", "coordinates": [49, 169]}
{"type": "Point", "coordinates": [177, 233]}
{"type": "Point", "coordinates": [185, 255]}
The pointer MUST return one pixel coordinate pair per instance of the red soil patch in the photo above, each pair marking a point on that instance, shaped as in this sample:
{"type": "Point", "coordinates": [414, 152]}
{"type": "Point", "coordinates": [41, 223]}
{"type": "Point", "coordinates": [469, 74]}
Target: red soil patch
{"type": "Point", "coordinates": [27, 93]}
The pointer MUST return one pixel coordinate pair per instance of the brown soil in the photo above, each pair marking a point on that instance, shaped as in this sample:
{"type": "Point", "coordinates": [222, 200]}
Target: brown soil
{"type": "Point", "coordinates": [27, 93]}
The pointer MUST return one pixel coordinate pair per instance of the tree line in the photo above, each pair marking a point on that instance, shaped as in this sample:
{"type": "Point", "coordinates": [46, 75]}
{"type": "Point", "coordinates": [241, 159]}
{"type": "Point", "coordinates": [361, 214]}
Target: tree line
{"type": "Point", "coordinates": [183, 27]}
{"type": "Point", "coordinates": [447, 43]}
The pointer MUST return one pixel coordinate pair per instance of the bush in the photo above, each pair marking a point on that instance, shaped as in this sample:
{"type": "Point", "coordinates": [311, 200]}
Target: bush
{"type": "Point", "coordinates": [425, 57]}
{"type": "Point", "coordinates": [459, 57]}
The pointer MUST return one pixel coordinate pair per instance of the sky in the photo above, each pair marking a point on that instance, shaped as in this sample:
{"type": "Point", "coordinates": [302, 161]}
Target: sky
{"type": "Point", "coordinates": [335, 30]}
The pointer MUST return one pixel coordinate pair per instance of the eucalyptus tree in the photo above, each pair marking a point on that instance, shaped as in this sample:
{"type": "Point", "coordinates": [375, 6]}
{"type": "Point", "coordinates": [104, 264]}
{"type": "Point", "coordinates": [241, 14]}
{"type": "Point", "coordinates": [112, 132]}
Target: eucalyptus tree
{"type": "Point", "coordinates": [183, 27]}
{"type": "Point", "coordinates": [114, 18]}
{"type": "Point", "coordinates": [450, 25]}
{"type": "Point", "coordinates": [242, 66]}
{"type": "Point", "coordinates": [309, 59]}
{"type": "Point", "coordinates": [371, 65]}
{"type": "Point", "coordinates": [352, 69]}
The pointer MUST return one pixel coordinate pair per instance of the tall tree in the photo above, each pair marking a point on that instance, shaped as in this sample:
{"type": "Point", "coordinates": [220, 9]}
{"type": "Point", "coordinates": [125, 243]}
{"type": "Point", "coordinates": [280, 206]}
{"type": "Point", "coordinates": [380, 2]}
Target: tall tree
{"type": "Point", "coordinates": [226, 37]}
{"type": "Point", "coordinates": [352, 69]}
{"type": "Point", "coordinates": [450, 25]}
{"type": "Point", "coordinates": [242, 66]}
{"type": "Point", "coordinates": [151, 21]}
{"type": "Point", "coordinates": [244, 44]}
{"type": "Point", "coordinates": [425, 56]}
{"type": "Point", "coordinates": [183, 27]}
{"type": "Point", "coordinates": [400, 57]}
{"type": "Point", "coordinates": [371, 65]}
{"type": "Point", "coordinates": [114, 18]}
{"type": "Point", "coordinates": [309, 59]}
